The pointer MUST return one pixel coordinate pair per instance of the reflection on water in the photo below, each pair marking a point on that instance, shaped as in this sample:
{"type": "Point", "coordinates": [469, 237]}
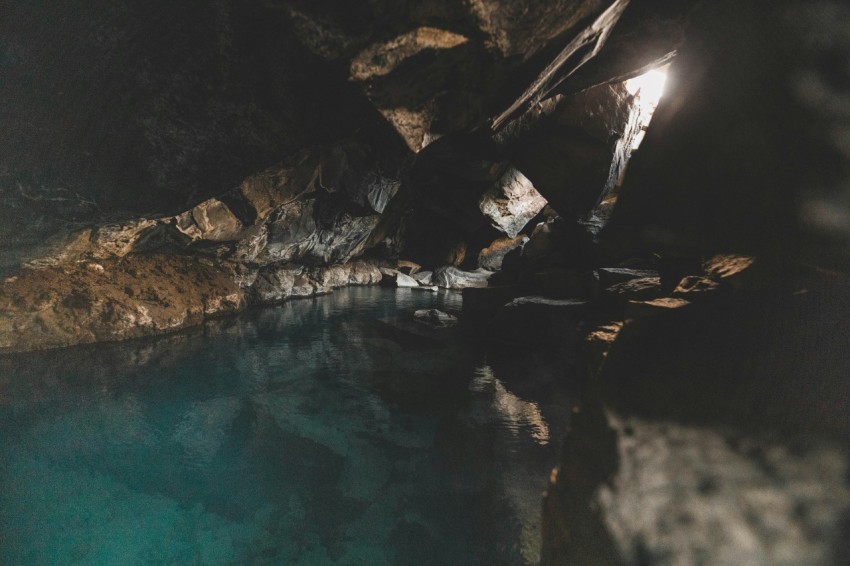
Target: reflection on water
{"type": "Point", "coordinates": [314, 433]}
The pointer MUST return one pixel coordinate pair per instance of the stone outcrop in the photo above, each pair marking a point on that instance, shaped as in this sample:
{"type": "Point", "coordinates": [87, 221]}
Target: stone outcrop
{"type": "Point", "coordinates": [395, 278]}
{"type": "Point", "coordinates": [737, 72]}
{"type": "Point", "coordinates": [182, 161]}
{"type": "Point", "coordinates": [434, 318]}
{"type": "Point", "coordinates": [511, 203]}
{"type": "Point", "coordinates": [711, 398]}
{"type": "Point", "coordinates": [492, 257]}
{"type": "Point", "coordinates": [278, 283]}
{"type": "Point", "coordinates": [450, 277]}
{"type": "Point", "coordinates": [114, 299]}
{"type": "Point", "coordinates": [575, 155]}
{"type": "Point", "coordinates": [143, 295]}
{"type": "Point", "coordinates": [290, 231]}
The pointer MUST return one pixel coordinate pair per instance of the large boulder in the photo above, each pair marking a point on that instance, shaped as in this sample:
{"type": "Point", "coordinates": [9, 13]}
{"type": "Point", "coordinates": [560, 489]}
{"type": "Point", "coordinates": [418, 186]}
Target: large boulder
{"type": "Point", "coordinates": [450, 277]}
{"type": "Point", "coordinates": [278, 283]}
{"type": "Point", "coordinates": [511, 203]}
{"type": "Point", "coordinates": [709, 432]}
{"type": "Point", "coordinates": [95, 301]}
{"type": "Point", "coordinates": [492, 256]}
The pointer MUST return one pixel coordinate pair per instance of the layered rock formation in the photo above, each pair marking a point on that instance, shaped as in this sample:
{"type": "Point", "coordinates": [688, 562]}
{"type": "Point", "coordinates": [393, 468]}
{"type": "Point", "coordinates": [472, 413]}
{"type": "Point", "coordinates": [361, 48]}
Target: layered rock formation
{"type": "Point", "coordinates": [182, 162]}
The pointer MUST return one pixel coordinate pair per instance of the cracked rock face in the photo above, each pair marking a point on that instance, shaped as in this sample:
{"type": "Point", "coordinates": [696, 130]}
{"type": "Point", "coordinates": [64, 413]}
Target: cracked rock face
{"type": "Point", "coordinates": [162, 163]}
{"type": "Point", "coordinates": [114, 299]}
{"type": "Point", "coordinates": [287, 232]}
{"type": "Point", "coordinates": [723, 499]}
{"type": "Point", "coordinates": [511, 203]}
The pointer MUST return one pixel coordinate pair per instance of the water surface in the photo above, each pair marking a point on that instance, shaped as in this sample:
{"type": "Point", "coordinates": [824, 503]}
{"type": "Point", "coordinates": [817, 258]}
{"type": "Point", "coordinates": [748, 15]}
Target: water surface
{"type": "Point", "coordinates": [317, 432]}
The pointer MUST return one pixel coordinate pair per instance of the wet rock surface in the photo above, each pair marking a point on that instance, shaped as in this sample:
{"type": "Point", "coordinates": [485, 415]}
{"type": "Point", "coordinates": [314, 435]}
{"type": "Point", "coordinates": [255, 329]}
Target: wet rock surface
{"type": "Point", "coordinates": [738, 431]}
{"type": "Point", "coordinates": [112, 300]}
{"type": "Point", "coordinates": [275, 284]}
{"type": "Point", "coordinates": [453, 278]}
{"type": "Point", "coordinates": [395, 278]}
{"type": "Point", "coordinates": [159, 171]}
{"type": "Point", "coordinates": [434, 318]}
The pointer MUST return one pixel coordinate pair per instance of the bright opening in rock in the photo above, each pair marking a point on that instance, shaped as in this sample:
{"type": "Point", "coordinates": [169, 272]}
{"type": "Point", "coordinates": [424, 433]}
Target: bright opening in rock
{"type": "Point", "coordinates": [647, 89]}
{"type": "Point", "coordinates": [649, 86]}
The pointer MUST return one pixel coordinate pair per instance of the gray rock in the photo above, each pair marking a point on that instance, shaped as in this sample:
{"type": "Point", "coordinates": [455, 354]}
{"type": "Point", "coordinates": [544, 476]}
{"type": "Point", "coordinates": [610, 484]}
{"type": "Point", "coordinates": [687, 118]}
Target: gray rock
{"type": "Point", "coordinates": [291, 232]}
{"type": "Point", "coordinates": [274, 284]}
{"type": "Point", "coordinates": [307, 284]}
{"type": "Point", "coordinates": [395, 278]}
{"type": "Point", "coordinates": [295, 235]}
{"type": "Point", "coordinates": [424, 277]}
{"type": "Point", "coordinates": [403, 280]}
{"type": "Point", "coordinates": [364, 273]}
{"type": "Point", "coordinates": [211, 220]}
{"type": "Point", "coordinates": [453, 278]}
{"type": "Point", "coordinates": [511, 203]}
{"type": "Point", "coordinates": [576, 156]}
{"type": "Point", "coordinates": [722, 497]}
{"type": "Point", "coordinates": [252, 244]}
{"type": "Point", "coordinates": [267, 191]}
{"type": "Point", "coordinates": [679, 494]}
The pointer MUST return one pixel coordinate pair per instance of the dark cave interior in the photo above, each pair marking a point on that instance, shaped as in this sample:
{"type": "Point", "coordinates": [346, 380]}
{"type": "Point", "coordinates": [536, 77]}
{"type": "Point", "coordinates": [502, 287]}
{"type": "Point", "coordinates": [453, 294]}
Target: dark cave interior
{"type": "Point", "coordinates": [195, 159]}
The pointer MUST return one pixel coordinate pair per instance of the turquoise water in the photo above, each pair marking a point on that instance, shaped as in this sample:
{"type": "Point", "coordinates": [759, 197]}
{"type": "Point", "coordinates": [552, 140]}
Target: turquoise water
{"type": "Point", "coordinates": [318, 432]}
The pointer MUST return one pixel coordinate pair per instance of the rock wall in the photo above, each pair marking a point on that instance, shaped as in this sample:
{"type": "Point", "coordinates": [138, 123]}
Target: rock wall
{"type": "Point", "coordinates": [290, 231]}
{"type": "Point", "coordinates": [710, 431]}
{"type": "Point", "coordinates": [713, 428]}
{"type": "Point", "coordinates": [166, 163]}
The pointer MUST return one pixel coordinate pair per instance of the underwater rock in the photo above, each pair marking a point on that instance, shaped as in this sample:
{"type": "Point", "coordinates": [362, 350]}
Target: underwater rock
{"type": "Point", "coordinates": [434, 318]}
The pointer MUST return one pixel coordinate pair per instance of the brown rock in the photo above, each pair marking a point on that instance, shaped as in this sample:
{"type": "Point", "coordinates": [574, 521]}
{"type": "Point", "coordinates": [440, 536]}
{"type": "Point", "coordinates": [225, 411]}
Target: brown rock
{"type": "Point", "coordinates": [408, 267]}
{"type": "Point", "coordinates": [639, 289]}
{"type": "Point", "coordinates": [112, 300]}
{"type": "Point", "coordinates": [491, 257]}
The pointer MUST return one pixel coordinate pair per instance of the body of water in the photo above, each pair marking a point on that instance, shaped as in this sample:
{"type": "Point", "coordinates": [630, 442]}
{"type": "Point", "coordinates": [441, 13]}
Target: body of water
{"type": "Point", "coordinates": [324, 431]}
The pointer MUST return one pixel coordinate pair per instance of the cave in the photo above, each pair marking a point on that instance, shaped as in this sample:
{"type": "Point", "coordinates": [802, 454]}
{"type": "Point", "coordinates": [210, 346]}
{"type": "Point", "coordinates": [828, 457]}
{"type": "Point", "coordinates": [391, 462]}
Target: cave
{"type": "Point", "coordinates": [491, 282]}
